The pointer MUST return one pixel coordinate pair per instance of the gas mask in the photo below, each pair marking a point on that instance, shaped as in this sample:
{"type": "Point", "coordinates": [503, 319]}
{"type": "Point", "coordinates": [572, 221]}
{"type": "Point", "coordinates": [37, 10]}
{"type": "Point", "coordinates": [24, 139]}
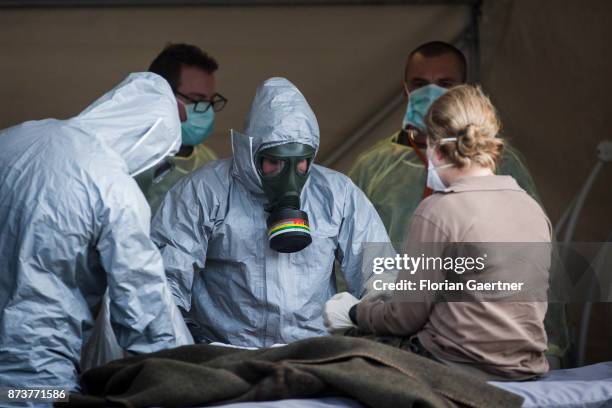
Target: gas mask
{"type": "Point", "coordinates": [283, 170]}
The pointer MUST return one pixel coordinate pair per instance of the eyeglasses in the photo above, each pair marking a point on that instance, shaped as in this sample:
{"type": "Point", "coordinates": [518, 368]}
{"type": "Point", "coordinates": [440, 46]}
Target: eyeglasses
{"type": "Point", "coordinates": [217, 102]}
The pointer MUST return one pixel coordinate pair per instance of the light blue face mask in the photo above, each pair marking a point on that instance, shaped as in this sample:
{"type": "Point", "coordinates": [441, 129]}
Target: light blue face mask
{"type": "Point", "coordinates": [419, 102]}
{"type": "Point", "coordinates": [198, 126]}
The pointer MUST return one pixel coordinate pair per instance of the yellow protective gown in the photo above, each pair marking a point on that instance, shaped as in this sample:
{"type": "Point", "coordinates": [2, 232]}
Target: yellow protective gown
{"type": "Point", "coordinates": [156, 187]}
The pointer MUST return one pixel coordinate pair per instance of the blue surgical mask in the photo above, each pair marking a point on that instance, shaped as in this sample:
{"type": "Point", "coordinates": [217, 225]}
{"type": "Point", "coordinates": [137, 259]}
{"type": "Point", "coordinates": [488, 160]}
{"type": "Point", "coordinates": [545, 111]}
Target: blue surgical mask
{"type": "Point", "coordinates": [198, 126]}
{"type": "Point", "coordinates": [419, 102]}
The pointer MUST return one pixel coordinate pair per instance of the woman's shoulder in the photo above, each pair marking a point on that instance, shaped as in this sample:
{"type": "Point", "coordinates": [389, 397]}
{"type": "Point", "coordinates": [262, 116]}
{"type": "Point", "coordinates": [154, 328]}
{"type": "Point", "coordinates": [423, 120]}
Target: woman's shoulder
{"type": "Point", "coordinates": [499, 209]}
{"type": "Point", "coordinates": [438, 204]}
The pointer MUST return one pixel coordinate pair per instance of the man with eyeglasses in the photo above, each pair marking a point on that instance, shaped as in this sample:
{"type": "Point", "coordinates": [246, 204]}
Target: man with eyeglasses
{"type": "Point", "coordinates": [190, 73]}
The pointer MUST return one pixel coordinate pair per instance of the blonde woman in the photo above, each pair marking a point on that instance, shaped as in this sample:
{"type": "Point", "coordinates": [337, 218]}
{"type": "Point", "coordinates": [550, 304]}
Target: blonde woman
{"type": "Point", "coordinates": [497, 340]}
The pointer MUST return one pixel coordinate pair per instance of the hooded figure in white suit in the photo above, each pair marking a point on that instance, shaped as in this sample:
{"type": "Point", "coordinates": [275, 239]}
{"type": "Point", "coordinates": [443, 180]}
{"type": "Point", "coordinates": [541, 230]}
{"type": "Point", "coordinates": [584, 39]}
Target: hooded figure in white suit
{"type": "Point", "coordinates": [216, 243]}
{"type": "Point", "coordinates": [73, 223]}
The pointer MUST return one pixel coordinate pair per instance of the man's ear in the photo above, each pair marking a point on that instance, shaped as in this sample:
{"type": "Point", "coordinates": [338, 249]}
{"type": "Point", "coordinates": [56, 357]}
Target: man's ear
{"type": "Point", "coordinates": [181, 110]}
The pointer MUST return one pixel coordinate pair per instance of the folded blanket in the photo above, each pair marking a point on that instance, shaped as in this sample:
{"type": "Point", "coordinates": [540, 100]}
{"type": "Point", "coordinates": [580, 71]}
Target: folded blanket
{"type": "Point", "coordinates": [372, 373]}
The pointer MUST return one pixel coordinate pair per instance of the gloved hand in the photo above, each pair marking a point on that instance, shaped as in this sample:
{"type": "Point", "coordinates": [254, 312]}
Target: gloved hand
{"type": "Point", "coordinates": [336, 313]}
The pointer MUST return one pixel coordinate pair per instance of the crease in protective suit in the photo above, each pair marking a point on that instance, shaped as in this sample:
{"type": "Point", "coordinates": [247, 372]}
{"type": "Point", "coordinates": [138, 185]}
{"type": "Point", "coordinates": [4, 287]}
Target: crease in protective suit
{"type": "Point", "coordinates": [74, 223]}
{"type": "Point", "coordinates": [211, 230]}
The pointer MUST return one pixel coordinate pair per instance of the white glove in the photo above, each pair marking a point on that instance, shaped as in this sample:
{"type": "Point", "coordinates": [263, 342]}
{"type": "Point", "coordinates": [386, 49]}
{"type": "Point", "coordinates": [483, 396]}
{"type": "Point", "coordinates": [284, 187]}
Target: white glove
{"type": "Point", "coordinates": [336, 313]}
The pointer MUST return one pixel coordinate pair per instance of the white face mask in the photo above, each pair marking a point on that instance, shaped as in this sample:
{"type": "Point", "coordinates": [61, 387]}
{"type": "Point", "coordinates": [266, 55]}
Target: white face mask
{"type": "Point", "coordinates": [433, 178]}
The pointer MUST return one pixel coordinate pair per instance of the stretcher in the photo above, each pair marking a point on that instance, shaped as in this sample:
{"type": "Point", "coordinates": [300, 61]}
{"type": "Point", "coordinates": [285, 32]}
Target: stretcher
{"type": "Point", "coordinates": [584, 387]}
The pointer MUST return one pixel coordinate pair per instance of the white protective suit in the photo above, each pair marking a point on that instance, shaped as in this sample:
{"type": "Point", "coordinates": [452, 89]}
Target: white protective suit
{"type": "Point", "coordinates": [211, 231]}
{"type": "Point", "coordinates": [74, 223]}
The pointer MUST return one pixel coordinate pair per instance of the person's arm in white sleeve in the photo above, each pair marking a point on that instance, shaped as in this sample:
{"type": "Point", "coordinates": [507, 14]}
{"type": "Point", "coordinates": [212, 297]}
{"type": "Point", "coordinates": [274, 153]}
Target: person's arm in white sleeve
{"type": "Point", "coordinates": [362, 235]}
{"type": "Point", "coordinates": [140, 304]}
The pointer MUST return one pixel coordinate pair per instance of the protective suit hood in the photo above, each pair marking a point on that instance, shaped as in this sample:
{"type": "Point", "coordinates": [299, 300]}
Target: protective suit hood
{"type": "Point", "coordinates": [138, 119]}
{"type": "Point", "coordinates": [279, 115]}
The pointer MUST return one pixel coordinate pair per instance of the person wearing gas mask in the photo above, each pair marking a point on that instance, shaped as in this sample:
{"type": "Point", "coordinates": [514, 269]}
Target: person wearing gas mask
{"type": "Point", "coordinates": [249, 243]}
{"type": "Point", "coordinates": [73, 224]}
{"type": "Point", "coordinates": [393, 173]}
{"type": "Point", "coordinates": [191, 75]}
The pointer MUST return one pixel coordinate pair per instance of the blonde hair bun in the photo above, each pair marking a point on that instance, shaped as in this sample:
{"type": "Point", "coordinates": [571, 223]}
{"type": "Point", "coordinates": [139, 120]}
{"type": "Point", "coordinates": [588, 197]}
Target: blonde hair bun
{"type": "Point", "coordinates": [466, 113]}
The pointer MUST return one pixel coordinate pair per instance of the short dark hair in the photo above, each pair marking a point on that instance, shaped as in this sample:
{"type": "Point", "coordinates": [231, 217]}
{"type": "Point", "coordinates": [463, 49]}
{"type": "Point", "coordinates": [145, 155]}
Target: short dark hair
{"type": "Point", "coordinates": [437, 48]}
{"type": "Point", "coordinates": [169, 62]}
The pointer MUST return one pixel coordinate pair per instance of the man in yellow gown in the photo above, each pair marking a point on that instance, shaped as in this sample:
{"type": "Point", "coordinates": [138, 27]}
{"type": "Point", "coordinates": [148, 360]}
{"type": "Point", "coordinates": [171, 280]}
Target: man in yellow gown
{"type": "Point", "coordinates": [393, 173]}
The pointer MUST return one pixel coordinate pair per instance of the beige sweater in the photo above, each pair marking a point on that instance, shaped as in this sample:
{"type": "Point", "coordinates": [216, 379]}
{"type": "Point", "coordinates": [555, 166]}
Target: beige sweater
{"type": "Point", "coordinates": [506, 339]}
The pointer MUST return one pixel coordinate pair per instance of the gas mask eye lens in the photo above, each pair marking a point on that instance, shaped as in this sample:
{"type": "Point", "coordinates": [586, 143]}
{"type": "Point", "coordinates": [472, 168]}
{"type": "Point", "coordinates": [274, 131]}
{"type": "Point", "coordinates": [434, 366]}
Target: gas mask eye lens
{"type": "Point", "coordinates": [302, 166]}
{"type": "Point", "coordinates": [271, 167]}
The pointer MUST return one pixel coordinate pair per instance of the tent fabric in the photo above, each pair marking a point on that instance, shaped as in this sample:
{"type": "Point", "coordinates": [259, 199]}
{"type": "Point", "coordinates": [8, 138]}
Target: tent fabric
{"type": "Point", "coordinates": [312, 46]}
